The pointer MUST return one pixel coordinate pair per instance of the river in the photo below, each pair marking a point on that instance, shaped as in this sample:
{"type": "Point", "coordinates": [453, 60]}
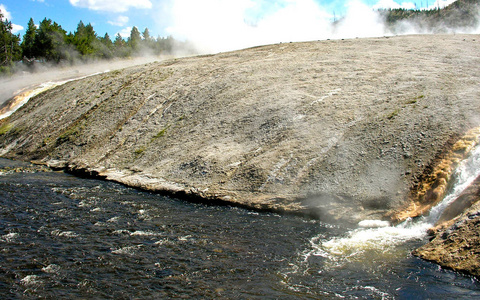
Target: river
{"type": "Point", "coordinates": [66, 237]}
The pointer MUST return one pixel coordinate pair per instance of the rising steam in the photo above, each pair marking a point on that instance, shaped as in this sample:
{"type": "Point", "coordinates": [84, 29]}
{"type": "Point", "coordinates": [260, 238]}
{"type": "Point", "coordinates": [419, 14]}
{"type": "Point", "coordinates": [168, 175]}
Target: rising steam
{"type": "Point", "coordinates": [218, 25]}
{"type": "Point", "coordinates": [23, 82]}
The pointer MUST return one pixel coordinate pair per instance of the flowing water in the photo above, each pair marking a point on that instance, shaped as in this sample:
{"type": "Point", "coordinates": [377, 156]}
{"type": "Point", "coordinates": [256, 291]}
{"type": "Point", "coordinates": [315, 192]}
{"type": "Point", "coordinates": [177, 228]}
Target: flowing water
{"type": "Point", "coordinates": [63, 236]}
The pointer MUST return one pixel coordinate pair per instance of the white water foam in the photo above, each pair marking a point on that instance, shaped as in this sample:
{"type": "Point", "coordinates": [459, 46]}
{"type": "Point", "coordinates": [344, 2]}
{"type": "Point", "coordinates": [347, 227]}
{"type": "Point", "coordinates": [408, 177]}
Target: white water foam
{"type": "Point", "coordinates": [10, 237]}
{"type": "Point", "coordinates": [31, 280]}
{"type": "Point", "coordinates": [128, 250]}
{"type": "Point", "coordinates": [373, 223]}
{"type": "Point", "coordinates": [145, 233]}
{"type": "Point", "coordinates": [380, 236]}
{"type": "Point", "coordinates": [383, 238]}
{"type": "Point", "coordinates": [52, 269]}
{"type": "Point", "coordinates": [69, 234]}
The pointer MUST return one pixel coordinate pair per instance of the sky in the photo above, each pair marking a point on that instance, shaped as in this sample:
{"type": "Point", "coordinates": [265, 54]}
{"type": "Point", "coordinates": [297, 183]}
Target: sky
{"type": "Point", "coordinates": [217, 24]}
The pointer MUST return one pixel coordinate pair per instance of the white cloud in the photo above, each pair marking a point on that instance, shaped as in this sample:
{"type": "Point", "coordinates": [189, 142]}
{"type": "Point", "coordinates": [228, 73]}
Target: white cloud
{"type": "Point", "coordinates": [6, 15]}
{"type": "Point", "coordinates": [119, 21]}
{"type": "Point", "coordinates": [125, 32]}
{"type": "Point", "coordinates": [112, 5]}
{"type": "Point", "coordinates": [391, 4]}
{"type": "Point", "coordinates": [16, 28]}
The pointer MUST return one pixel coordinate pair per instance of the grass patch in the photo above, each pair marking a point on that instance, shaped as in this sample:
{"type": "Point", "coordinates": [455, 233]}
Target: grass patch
{"type": "Point", "coordinates": [68, 135]}
{"type": "Point", "coordinates": [414, 100]}
{"type": "Point", "coordinates": [5, 128]}
{"type": "Point", "coordinates": [160, 133]}
{"type": "Point", "coordinates": [393, 114]}
{"type": "Point", "coordinates": [139, 151]}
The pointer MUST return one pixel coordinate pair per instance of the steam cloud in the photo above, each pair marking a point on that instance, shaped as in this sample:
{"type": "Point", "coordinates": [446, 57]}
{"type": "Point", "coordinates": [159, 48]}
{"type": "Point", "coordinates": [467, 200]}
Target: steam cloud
{"type": "Point", "coordinates": [218, 25]}
{"type": "Point", "coordinates": [24, 81]}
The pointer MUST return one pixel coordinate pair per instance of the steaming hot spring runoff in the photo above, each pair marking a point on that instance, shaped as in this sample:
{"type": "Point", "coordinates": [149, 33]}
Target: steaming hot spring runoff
{"type": "Point", "coordinates": [240, 149]}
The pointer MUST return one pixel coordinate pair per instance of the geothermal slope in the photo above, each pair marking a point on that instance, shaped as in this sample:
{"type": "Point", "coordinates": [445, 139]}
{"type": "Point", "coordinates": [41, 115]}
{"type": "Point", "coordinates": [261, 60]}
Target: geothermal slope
{"type": "Point", "coordinates": [343, 130]}
{"type": "Point", "coordinates": [339, 129]}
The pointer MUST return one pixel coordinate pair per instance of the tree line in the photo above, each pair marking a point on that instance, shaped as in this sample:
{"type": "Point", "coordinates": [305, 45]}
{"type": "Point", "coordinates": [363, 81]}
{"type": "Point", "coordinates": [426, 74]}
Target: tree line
{"type": "Point", "coordinates": [461, 14]}
{"type": "Point", "coordinates": [50, 43]}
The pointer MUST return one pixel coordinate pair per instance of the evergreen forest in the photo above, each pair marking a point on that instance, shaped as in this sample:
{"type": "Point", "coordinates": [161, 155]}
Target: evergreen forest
{"type": "Point", "coordinates": [50, 43]}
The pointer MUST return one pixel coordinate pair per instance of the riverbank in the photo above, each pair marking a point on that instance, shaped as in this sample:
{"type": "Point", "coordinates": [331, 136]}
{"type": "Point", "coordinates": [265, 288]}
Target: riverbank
{"type": "Point", "coordinates": [342, 129]}
{"type": "Point", "coordinates": [455, 241]}
{"type": "Point", "coordinates": [91, 239]}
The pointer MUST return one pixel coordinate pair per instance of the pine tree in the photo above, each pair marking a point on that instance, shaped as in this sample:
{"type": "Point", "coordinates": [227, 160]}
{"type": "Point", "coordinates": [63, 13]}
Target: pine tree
{"type": "Point", "coordinates": [120, 46]}
{"type": "Point", "coordinates": [9, 45]}
{"type": "Point", "coordinates": [104, 47]}
{"type": "Point", "coordinates": [50, 42]}
{"type": "Point", "coordinates": [146, 35]}
{"type": "Point", "coordinates": [148, 41]}
{"type": "Point", "coordinates": [107, 41]}
{"type": "Point", "coordinates": [84, 39]}
{"type": "Point", "coordinates": [135, 39]}
{"type": "Point", "coordinates": [29, 40]}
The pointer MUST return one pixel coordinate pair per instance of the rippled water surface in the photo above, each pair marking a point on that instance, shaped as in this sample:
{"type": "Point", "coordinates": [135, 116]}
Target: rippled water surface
{"type": "Point", "coordinates": [62, 236]}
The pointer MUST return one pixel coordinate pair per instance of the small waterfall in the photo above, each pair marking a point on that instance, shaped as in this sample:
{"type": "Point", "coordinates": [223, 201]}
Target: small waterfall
{"type": "Point", "coordinates": [465, 173]}
{"type": "Point", "coordinates": [385, 237]}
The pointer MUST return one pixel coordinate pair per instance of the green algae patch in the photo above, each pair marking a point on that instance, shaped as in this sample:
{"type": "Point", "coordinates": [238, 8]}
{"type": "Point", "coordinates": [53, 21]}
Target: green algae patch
{"type": "Point", "coordinates": [5, 128]}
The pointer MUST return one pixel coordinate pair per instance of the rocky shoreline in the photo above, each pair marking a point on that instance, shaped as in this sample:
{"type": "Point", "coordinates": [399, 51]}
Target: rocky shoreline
{"type": "Point", "coordinates": [343, 130]}
{"type": "Point", "coordinates": [455, 243]}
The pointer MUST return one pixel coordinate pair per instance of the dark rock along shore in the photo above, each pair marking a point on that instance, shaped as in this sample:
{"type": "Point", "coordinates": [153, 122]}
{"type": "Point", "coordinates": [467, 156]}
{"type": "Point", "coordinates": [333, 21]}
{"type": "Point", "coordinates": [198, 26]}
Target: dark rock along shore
{"type": "Point", "coordinates": [456, 244]}
{"type": "Point", "coordinates": [338, 129]}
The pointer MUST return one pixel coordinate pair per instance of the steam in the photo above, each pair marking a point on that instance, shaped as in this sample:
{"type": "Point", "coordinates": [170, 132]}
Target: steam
{"type": "Point", "coordinates": [215, 25]}
{"type": "Point", "coordinates": [218, 25]}
{"type": "Point", "coordinates": [11, 86]}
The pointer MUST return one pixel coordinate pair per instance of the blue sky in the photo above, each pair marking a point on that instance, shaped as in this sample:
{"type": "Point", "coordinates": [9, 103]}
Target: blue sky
{"type": "Point", "coordinates": [184, 18]}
